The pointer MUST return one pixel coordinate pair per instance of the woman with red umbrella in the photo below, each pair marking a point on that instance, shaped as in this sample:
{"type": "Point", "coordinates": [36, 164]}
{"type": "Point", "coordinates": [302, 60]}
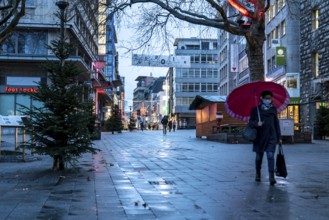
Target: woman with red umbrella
{"type": "Point", "coordinates": [259, 103]}
{"type": "Point", "coordinates": [264, 119]}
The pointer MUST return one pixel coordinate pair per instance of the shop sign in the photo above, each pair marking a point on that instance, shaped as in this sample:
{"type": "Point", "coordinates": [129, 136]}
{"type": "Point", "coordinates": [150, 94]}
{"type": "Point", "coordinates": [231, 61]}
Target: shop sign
{"type": "Point", "coordinates": [21, 89]}
{"type": "Point", "coordinates": [294, 100]}
{"type": "Point", "coordinates": [280, 54]}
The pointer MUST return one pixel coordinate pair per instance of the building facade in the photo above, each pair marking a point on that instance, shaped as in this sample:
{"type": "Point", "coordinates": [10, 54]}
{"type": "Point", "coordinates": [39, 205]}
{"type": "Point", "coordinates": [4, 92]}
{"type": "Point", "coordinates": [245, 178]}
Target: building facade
{"type": "Point", "coordinates": [314, 59]}
{"type": "Point", "coordinates": [24, 51]}
{"type": "Point", "coordinates": [200, 78]}
{"type": "Point", "coordinates": [281, 52]}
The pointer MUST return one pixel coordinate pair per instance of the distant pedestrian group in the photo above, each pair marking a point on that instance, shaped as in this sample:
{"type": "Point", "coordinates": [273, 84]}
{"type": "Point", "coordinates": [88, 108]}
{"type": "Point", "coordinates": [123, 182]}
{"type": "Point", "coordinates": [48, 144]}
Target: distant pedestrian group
{"type": "Point", "coordinates": [168, 124]}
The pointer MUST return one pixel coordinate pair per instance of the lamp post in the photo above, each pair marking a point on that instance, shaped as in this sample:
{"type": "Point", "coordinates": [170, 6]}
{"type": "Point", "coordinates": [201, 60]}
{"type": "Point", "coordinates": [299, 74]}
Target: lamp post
{"type": "Point", "coordinates": [130, 110]}
{"type": "Point", "coordinates": [62, 5]}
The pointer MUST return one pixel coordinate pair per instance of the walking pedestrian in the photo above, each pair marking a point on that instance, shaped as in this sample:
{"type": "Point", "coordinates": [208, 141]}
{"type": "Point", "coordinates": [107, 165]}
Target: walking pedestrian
{"type": "Point", "coordinates": [170, 125]}
{"type": "Point", "coordinates": [142, 125]}
{"type": "Point", "coordinates": [264, 119]}
{"type": "Point", "coordinates": [164, 122]}
{"type": "Point", "coordinates": [174, 123]}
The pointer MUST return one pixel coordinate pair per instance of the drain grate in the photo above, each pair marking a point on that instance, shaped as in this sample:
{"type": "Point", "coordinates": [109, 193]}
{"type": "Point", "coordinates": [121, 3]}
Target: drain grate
{"type": "Point", "coordinates": [165, 182]}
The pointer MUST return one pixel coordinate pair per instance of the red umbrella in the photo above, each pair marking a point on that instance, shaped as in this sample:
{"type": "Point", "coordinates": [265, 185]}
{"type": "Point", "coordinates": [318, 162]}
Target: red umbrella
{"type": "Point", "coordinates": [243, 99]}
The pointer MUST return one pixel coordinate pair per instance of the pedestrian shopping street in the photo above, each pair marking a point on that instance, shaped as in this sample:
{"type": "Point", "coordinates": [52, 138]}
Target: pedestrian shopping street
{"type": "Point", "coordinates": [148, 175]}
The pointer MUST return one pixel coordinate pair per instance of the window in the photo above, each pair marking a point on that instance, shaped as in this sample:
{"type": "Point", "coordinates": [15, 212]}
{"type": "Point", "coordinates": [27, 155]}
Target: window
{"type": "Point", "coordinates": [191, 73]}
{"type": "Point", "coordinates": [283, 3]}
{"type": "Point", "coordinates": [209, 73]}
{"type": "Point", "coordinates": [269, 65]}
{"type": "Point", "coordinates": [178, 72]}
{"type": "Point", "coordinates": [273, 34]}
{"type": "Point", "coordinates": [30, 3]}
{"type": "Point", "coordinates": [283, 28]}
{"type": "Point", "coordinates": [7, 105]}
{"type": "Point", "coordinates": [209, 87]}
{"type": "Point", "coordinates": [197, 58]}
{"type": "Point", "coordinates": [269, 40]}
{"type": "Point", "coordinates": [197, 87]}
{"type": "Point", "coordinates": [203, 58]}
{"type": "Point", "coordinates": [278, 32]}
{"type": "Point", "coordinates": [215, 46]}
{"type": "Point", "coordinates": [203, 73]}
{"type": "Point", "coordinates": [315, 19]}
{"type": "Point", "coordinates": [203, 87]}
{"type": "Point", "coordinates": [273, 10]}
{"type": "Point", "coordinates": [185, 87]}
{"type": "Point", "coordinates": [315, 64]}
{"type": "Point", "coordinates": [185, 73]}
{"type": "Point", "coordinates": [26, 42]}
{"type": "Point", "coordinates": [197, 73]}
{"type": "Point", "coordinates": [178, 87]}
{"type": "Point", "coordinates": [273, 63]}
{"type": "Point", "coordinates": [279, 4]}
{"type": "Point", "coordinates": [193, 47]}
{"type": "Point", "coordinates": [22, 81]}
{"type": "Point", "coordinates": [204, 45]}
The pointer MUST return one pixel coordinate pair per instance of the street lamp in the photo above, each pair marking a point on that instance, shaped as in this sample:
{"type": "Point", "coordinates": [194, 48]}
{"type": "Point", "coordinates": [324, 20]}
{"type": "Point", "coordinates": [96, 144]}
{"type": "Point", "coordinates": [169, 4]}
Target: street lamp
{"type": "Point", "coordinates": [62, 5]}
{"type": "Point", "coordinates": [130, 110]}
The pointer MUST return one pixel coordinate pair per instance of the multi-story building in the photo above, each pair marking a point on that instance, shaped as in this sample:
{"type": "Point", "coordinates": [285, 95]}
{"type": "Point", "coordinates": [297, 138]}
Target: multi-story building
{"type": "Point", "coordinates": [200, 78]}
{"type": "Point", "coordinates": [228, 47]}
{"type": "Point", "coordinates": [141, 99]}
{"type": "Point", "coordinates": [281, 52]}
{"type": "Point", "coordinates": [23, 53]}
{"type": "Point", "coordinates": [314, 59]}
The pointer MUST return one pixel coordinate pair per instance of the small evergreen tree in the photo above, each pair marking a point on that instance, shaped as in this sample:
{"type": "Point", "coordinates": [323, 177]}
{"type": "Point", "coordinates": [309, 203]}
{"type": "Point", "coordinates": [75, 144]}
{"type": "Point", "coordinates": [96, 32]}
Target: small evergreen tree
{"type": "Point", "coordinates": [114, 122]}
{"type": "Point", "coordinates": [62, 127]}
{"type": "Point", "coordinates": [132, 123]}
{"type": "Point", "coordinates": [322, 122]}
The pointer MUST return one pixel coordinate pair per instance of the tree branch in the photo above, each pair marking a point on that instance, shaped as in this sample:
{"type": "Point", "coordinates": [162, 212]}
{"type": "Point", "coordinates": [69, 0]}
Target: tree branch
{"type": "Point", "coordinates": [14, 21]}
{"type": "Point", "coordinates": [189, 17]}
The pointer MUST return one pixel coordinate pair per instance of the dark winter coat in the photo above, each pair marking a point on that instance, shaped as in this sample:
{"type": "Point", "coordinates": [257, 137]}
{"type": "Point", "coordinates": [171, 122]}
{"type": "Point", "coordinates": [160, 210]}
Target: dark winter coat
{"type": "Point", "coordinates": [164, 121]}
{"type": "Point", "coordinates": [269, 133]}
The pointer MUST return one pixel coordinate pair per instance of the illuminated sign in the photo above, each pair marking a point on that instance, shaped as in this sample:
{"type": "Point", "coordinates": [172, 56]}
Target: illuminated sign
{"type": "Point", "coordinates": [21, 89]}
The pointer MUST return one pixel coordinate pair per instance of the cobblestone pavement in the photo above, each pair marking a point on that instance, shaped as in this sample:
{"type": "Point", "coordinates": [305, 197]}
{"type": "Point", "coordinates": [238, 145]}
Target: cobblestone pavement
{"type": "Point", "coordinates": [148, 175]}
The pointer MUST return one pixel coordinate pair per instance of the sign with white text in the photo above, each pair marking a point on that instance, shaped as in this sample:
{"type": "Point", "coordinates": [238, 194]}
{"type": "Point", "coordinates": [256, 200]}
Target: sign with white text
{"type": "Point", "coordinates": [161, 61]}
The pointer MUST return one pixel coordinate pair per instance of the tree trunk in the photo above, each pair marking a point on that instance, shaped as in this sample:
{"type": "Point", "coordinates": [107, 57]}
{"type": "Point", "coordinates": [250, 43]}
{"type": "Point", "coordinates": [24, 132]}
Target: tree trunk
{"type": "Point", "coordinates": [58, 163]}
{"type": "Point", "coordinates": [256, 63]}
{"type": "Point", "coordinates": [255, 41]}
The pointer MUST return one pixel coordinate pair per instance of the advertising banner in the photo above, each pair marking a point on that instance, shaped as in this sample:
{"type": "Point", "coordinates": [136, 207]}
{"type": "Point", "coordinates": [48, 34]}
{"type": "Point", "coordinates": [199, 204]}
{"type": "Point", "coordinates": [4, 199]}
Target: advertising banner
{"type": "Point", "coordinates": [161, 61]}
{"type": "Point", "coordinates": [234, 58]}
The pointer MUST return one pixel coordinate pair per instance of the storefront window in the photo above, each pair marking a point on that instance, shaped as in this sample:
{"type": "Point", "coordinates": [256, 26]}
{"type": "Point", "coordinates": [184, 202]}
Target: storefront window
{"type": "Point", "coordinates": [23, 81]}
{"type": "Point", "coordinates": [7, 104]}
{"type": "Point", "coordinates": [22, 100]}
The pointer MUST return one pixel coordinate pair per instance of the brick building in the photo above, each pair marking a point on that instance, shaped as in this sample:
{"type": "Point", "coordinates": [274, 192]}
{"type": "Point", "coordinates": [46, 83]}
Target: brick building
{"type": "Point", "coordinates": [314, 58]}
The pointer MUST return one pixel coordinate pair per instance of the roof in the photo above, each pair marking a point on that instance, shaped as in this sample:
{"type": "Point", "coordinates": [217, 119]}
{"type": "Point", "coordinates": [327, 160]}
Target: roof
{"type": "Point", "coordinates": [199, 99]}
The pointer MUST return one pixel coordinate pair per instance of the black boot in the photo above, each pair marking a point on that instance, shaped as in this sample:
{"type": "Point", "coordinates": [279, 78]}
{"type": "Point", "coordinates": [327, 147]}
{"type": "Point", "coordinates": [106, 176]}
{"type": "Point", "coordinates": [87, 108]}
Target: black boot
{"type": "Point", "coordinates": [258, 168]}
{"type": "Point", "coordinates": [257, 179]}
{"type": "Point", "coordinates": [272, 179]}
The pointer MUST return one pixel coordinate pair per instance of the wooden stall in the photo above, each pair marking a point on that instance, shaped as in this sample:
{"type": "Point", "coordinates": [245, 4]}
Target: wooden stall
{"type": "Point", "coordinates": [211, 115]}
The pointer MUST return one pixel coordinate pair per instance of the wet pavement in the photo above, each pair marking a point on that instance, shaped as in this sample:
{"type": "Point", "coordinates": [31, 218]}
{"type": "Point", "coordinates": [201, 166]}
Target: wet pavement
{"type": "Point", "coordinates": [146, 175]}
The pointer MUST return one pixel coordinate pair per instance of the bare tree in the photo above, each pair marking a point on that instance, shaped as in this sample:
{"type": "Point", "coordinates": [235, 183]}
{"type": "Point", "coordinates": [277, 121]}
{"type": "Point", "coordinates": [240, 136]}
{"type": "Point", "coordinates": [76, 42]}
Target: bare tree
{"type": "Point", "coordinates": [10, 13]}
{"type": "Point", "coordinates": [208, 13]}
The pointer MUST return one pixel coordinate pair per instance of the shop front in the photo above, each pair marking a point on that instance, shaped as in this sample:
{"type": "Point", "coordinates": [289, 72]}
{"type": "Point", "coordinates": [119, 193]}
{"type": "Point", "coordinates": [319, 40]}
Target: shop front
{"type": "Point", "coordinates": [14, 94]}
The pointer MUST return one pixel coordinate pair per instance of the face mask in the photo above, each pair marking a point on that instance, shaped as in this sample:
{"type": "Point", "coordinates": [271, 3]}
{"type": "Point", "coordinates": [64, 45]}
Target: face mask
{"type": "Point", "coordinates": [267, 101]}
